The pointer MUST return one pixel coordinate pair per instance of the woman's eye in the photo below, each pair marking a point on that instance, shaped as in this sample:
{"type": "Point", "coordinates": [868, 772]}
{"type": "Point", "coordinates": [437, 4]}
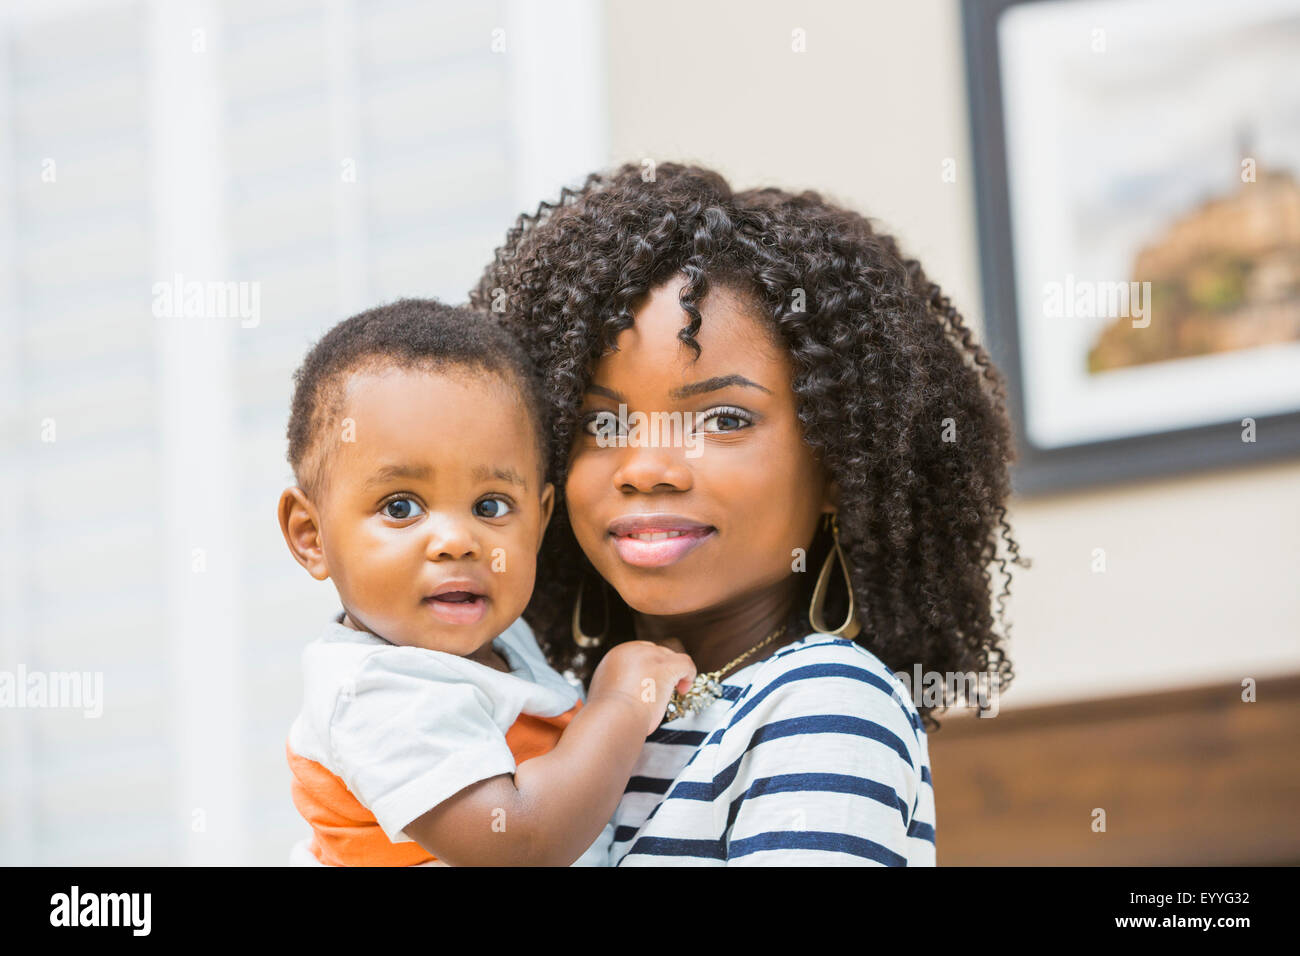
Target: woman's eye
{"type": "Point", "coordinates": [725, 420]}
{"type": "Point", "coordinates": [497, 507]}
{"type": "Point", "coordinates": [399, 509]}
{"type": "Point", "coordinates": [598, 423]}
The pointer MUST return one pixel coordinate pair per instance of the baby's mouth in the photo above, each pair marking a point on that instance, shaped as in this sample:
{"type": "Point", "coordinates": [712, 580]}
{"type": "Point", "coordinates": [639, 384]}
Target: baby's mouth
{"type": "Point", "coordinates": [457, 606]}
{"type": "Point", "coordinates": [456, 597]}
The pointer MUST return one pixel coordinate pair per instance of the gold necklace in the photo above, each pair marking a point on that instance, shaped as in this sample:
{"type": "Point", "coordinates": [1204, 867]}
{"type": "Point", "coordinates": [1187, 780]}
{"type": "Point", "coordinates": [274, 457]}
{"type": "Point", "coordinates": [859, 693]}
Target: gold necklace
{"type": "Point", "coordinates": [708, 687]}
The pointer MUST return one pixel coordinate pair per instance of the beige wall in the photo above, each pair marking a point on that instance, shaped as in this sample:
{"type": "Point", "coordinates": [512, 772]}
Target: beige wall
{"type": "Point", "coordinates": [1202, 571]}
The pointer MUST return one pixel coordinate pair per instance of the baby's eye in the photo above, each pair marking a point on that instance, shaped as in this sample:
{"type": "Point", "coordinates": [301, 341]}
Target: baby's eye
{"type": "Point", "coordinates": [500, 510]}
{"type": "Point", "coordinates": [726, 420]}
{"type": "Point", "coordinates": [399, 509]}
{"type": "Point", "coordinates": [597, 423]}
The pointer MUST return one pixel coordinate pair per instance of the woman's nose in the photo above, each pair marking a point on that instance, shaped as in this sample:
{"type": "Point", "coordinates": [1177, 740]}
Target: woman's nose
{"type": "Point", "coordinates": [648, 469]}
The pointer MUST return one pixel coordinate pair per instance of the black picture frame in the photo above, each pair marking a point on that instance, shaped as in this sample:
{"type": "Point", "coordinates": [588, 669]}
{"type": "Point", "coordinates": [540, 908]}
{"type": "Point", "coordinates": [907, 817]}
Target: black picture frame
{"type": "Point", "coordinates": [1046, 470]}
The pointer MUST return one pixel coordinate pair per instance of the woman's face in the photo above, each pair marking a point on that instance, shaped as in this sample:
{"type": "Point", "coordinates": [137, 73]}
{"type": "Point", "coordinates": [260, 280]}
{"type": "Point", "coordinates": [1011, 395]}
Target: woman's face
{"type": "Point", "coordinates": [680, 520]}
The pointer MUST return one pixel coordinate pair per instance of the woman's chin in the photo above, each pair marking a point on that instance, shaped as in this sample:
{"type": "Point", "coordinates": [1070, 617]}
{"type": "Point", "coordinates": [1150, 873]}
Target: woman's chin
{"type": "Point", "coordinates": [652, 601]}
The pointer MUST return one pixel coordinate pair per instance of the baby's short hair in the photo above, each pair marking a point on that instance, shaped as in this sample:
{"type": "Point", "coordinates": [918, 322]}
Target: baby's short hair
{"type": "Point", "coordinates": [406, 334]}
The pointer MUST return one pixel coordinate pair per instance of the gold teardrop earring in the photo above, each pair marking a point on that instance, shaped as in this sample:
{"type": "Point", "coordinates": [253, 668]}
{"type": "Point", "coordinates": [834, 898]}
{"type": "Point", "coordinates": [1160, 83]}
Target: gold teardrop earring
{"type": "Point", "coordinates": [851, 626]}
{"type": "Point", "coordinates": [589, 640]}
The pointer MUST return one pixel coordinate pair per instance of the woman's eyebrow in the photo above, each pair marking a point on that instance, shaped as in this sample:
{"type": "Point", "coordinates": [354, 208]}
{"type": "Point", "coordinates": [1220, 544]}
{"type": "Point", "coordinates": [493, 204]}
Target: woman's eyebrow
{"type": "Point", "coordinates": [695, 388]}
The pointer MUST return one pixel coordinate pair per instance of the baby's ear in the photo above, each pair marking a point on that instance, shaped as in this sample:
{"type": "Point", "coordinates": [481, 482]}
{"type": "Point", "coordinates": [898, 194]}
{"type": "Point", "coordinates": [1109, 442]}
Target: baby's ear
{"type": "Point", "coordinates": [548, 508]}
{"type": "Point", "coordinates": [300, 525]}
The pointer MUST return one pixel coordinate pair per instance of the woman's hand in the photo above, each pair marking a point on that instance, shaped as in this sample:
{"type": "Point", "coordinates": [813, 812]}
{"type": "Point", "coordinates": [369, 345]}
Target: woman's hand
{"type": "Point", "coordinates": [645, 674]}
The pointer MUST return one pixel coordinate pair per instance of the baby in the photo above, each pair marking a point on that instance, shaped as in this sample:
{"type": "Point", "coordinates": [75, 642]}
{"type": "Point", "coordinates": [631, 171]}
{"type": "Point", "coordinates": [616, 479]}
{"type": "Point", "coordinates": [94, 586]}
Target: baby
{"type": "Point", "coordinates": [433, 730]}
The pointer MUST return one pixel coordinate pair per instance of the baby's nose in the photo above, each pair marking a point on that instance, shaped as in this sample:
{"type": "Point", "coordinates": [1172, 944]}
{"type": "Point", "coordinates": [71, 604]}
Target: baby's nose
{"type": "Point", "coordinates": [451, 539]}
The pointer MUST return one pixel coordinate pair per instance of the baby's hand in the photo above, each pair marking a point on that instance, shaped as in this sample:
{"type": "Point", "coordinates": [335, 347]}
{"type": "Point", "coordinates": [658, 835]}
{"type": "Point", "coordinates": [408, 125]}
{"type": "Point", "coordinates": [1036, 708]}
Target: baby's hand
{"type": "Point", "coordinates": [645, 674]}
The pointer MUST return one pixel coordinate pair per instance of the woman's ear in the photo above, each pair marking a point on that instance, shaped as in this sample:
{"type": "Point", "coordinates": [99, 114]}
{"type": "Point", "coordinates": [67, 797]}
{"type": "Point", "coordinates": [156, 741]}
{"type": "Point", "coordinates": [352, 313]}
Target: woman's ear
{"type": "Point", "coordinates": [548, 508]}
{"type": "Point", "coordinates": [300, 525]}
{"type": "Point", "coordinates": [830, 496]}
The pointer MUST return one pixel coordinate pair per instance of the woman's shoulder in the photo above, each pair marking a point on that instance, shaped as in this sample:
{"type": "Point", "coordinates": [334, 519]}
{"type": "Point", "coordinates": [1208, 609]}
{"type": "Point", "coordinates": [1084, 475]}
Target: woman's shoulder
{"type": "Point", "coordinates": [825, 675]}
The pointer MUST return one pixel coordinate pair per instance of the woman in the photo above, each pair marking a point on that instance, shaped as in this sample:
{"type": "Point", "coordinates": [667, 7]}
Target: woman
{"type": "Point", "coordinates": [824, 516]}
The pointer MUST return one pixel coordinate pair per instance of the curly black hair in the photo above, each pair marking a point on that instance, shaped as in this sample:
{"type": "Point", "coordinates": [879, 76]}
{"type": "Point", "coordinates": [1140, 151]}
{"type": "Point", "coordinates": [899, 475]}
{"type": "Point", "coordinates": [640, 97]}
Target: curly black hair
{"type": "Point", "coordinates": [408, 334]}
{"type": "Point", "coordinates": [895, 397]}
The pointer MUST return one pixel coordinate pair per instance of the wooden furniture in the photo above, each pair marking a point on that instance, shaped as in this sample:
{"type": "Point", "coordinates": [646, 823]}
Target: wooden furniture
{"type": "Point", "coordinates": [1186, 777]}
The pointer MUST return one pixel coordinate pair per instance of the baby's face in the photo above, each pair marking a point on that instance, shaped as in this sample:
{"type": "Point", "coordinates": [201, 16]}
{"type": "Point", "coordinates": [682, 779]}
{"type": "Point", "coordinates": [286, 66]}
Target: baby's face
{"type": "Point", "coordinates": [432, 492]}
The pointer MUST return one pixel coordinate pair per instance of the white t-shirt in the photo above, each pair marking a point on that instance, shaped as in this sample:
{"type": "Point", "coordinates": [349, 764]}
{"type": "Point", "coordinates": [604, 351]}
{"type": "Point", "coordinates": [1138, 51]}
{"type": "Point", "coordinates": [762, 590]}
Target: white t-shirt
{"type": "Point", "coordinates": [814, 757]}
{"type": "Point", "coordinates": [405, 728]}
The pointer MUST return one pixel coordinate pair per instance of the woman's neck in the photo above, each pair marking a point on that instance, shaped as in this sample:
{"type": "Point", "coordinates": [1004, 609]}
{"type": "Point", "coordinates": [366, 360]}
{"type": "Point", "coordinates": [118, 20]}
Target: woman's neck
{"type": "Point", "coordinates": [716, 636]}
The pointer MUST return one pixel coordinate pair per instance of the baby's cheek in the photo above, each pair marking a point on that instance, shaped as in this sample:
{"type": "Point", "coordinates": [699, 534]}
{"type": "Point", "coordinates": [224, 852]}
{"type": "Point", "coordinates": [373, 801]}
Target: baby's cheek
{"type": "Point", "coordinates": [514, 567]}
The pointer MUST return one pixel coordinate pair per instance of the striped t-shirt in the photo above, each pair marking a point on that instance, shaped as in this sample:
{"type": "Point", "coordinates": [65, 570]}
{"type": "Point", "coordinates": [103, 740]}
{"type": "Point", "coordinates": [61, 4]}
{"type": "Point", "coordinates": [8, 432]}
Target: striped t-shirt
{"type": "Point", "coordinates": [815, 756]}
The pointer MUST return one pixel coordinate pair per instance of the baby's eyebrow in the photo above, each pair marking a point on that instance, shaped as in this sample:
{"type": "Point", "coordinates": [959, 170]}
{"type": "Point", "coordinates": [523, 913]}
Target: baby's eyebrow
{"type": "Point", "coordinates": [425, 473]}
{"type": "Point", "coordinates": [484, 473]}
{"type": "Point", "coordinates": [391, 472]}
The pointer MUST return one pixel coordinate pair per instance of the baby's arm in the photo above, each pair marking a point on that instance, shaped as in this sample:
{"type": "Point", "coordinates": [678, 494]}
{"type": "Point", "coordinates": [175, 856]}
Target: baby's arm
{"type": "Point", "coordinates": [555, 805]}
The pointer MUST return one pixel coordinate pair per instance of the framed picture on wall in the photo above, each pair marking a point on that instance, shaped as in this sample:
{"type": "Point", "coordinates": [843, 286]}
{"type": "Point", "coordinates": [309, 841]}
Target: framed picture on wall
{"type": "Point", "coordinates": [1138, 187]}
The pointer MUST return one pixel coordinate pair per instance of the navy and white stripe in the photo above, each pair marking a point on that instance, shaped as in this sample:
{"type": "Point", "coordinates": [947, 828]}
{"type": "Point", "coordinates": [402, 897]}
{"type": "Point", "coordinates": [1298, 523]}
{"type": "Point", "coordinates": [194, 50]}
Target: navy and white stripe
{"type": "Point", "coordinates": [813, 757]}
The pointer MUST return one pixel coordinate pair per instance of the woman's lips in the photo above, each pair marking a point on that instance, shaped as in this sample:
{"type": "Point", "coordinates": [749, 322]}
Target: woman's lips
{"type": "Point", "coordinates": [667, 545]}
